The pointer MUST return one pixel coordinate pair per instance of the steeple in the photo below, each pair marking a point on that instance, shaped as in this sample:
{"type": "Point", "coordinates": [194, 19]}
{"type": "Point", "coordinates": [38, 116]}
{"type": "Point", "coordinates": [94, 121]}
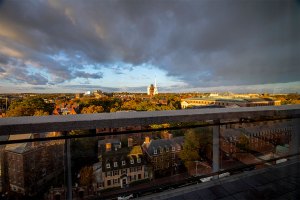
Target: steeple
{"type": "Point", "coordinates": [155, 87]}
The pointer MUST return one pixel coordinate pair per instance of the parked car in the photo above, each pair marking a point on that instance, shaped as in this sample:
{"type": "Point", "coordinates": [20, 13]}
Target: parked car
{"type": "Point", "coordinates": [125, 197]}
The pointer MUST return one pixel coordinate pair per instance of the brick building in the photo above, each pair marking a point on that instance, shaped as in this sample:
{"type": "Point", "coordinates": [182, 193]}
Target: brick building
{"type": "Point", "coordinates": [163, 154]}
{"type": "Point", "coordinates": [28, 166]}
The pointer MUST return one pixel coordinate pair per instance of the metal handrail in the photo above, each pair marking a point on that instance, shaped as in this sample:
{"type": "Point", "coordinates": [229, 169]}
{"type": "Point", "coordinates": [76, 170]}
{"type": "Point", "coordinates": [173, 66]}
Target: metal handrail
{"type": "Point", "coordinates": [40, 124]}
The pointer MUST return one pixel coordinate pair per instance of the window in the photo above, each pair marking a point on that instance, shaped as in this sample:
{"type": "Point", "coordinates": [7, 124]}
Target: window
{"type": "Point", "coordinates": [173, 155]}
{"type": "Point", "coordinates": [155, 151]}
{"type": "Point", "coordinates": [124, 171]}
{"type": "Point", "coordinates": [167, 149]}
{"type": "Point", "coordinates": [131, 161]}
{"type": "Point", "coordinates": [139, 168]}
{"type": "Point", "coordinates": [108, 182]}
{"type": "Point", "coordinates": [139, 160]}
{"type": "Point", "coordinates": [107, 165]}
{"type": "Point", "coordinates": [115, 164]}
{"type": "Point", "coordinates": [161, 150]}
{"type": "Point", "coordinates": [116, 172]}
{"type": "Point", "coordinates": [115, 181]}
{"type": "Point", "coordinates": [123, 162]}
{"type": "Point", "coordinates": [173, 148]}
{"type": "Point", "coordinates": [108, 173]}
{"type": "Point", "coordinates": [139, 176]}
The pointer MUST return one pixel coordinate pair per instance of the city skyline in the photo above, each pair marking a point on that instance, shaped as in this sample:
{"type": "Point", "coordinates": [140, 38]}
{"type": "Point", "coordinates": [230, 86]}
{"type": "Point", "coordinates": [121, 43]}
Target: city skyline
{"type": "Point", "coordinates": [217, 46]}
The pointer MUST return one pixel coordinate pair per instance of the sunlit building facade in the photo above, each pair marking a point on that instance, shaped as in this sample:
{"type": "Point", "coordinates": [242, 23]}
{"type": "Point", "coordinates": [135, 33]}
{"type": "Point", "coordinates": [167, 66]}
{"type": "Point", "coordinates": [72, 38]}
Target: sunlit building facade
{"type": "Point", "coordinates": [228, 102]}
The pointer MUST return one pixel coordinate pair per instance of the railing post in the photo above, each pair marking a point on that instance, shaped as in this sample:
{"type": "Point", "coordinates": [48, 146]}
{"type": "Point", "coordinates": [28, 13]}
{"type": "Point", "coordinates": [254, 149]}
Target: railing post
{"type": "Point", "coordinates": [295, 138]}
{"type": "Point", "coordinates": [216, 147]}
{"type": "Point", "coordinates": [68, 174]}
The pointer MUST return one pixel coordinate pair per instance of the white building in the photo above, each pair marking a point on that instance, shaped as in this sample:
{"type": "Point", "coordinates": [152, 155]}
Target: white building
{"type": "Point", "coordinates": [152, 89]}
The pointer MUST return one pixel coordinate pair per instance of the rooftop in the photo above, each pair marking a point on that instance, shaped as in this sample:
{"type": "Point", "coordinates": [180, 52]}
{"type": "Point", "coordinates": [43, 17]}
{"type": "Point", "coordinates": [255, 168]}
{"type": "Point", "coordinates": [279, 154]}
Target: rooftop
{"type": "Point", "coordinates": [230, 99]}
{"type": "Point", "coordinates": [155, 145]}
{"type": "Point", "coordinates": [276, 182]}
{"type": "Point", "coordinates": [280, 181]}
{"type": "Point", "coordinates": [19, 147]}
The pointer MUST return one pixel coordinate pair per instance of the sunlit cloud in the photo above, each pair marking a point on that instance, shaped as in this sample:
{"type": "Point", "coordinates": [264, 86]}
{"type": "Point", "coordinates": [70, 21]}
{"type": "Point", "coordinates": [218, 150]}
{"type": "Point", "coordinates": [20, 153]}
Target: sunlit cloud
{"type": "Point", "coordinates": [185, 45]}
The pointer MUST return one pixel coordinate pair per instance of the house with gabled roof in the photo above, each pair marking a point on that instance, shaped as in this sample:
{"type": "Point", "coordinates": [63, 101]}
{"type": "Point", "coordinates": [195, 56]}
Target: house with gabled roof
{"type": "Point", "coordinates": [66, 109]}
{"type": "Point", "coordinates": [119, 165]}
{"type": "Point", "coordinates": [163, 154]}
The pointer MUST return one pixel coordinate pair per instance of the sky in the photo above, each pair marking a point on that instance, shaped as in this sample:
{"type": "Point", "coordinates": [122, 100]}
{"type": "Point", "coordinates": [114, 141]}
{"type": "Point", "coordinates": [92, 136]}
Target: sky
{"type": "Point", "coordinates": [194, 45]}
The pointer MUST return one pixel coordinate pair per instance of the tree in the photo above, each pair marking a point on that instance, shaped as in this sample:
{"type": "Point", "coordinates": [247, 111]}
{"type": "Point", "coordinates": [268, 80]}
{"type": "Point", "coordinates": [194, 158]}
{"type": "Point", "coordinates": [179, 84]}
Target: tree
{"type": "Point", "coordinates": [197, 145]}
{"type": "Point", "coordinates": [243, 142]}
{"type": "Point", "coordinates": [40, 113]}
{"type": "Point", "coordinates": [146, 106]}
{"type": "Point", "coordinates": [113, 110]}
{"type": "Point", "coordinates": [129, 105]}
{"type": "Point", "coordinates": [86, 176]}
{"type": "Point", "coordinates": [29, 107]}
{"type": "Point", "coordinates": [92, 109]}
{"type": "Point", "coordinates": [84, 150]}
{"type": "Point", "coordinates": [191, 147]}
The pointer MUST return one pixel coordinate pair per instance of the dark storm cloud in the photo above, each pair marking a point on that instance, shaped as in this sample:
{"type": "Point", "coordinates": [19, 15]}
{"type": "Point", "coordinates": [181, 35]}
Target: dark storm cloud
{"type": "Point", "coordinates": [90, 87]}
{"type": "Point", "coordinates": [203, 43]}
{"type": "Point", "coordinates": [21, 75]}
{"type": "Point", "coordinates": [36, 79]}
{"type": "Point", "coordinates": [39, 88]}
{"type": "Point", "coordinates": [82, 74]}
{"type": "Point", "coordinates": [3, 59]}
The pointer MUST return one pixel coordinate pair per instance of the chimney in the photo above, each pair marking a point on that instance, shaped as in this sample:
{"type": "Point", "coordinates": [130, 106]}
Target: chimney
{"type": "Point", "coordinates": [130, 142]}
{"type": "Point", "coordinates": [147, 140]}
{"type": "Point", "coordinates": [108, 146]}
{"type": "Point", "coordinates": [35, 136]}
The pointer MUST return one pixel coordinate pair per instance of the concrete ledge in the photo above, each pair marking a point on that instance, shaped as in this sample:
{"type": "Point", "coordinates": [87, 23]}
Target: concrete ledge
{"type": "Point", "coordinates": [34, 124]}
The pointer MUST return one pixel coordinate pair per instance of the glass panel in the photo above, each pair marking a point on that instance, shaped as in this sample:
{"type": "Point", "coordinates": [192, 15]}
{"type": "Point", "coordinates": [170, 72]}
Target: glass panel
{"type": "Point", "coordinates": [29, 169]}
{"type": "Point", "coordinates": [245, 144]}
{"type": "Point", "coordinates": [139, 163]}
{"type": "Point", "coordinates": [105, 165]}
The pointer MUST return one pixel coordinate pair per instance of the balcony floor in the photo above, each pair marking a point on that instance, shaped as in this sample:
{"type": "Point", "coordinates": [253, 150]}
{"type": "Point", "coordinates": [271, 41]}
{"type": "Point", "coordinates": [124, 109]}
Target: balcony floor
{"type": "Point", "coordinates": [276, 182]}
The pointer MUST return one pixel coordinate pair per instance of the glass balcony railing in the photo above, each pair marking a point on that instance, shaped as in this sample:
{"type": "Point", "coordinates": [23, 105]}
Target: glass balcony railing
{"type": "Point", "coordinates": [133, 154]}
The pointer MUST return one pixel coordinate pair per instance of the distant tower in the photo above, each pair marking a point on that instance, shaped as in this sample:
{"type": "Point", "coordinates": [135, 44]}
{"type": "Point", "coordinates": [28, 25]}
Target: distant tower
{"type": "Point", "coordinates": [152, 89]}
